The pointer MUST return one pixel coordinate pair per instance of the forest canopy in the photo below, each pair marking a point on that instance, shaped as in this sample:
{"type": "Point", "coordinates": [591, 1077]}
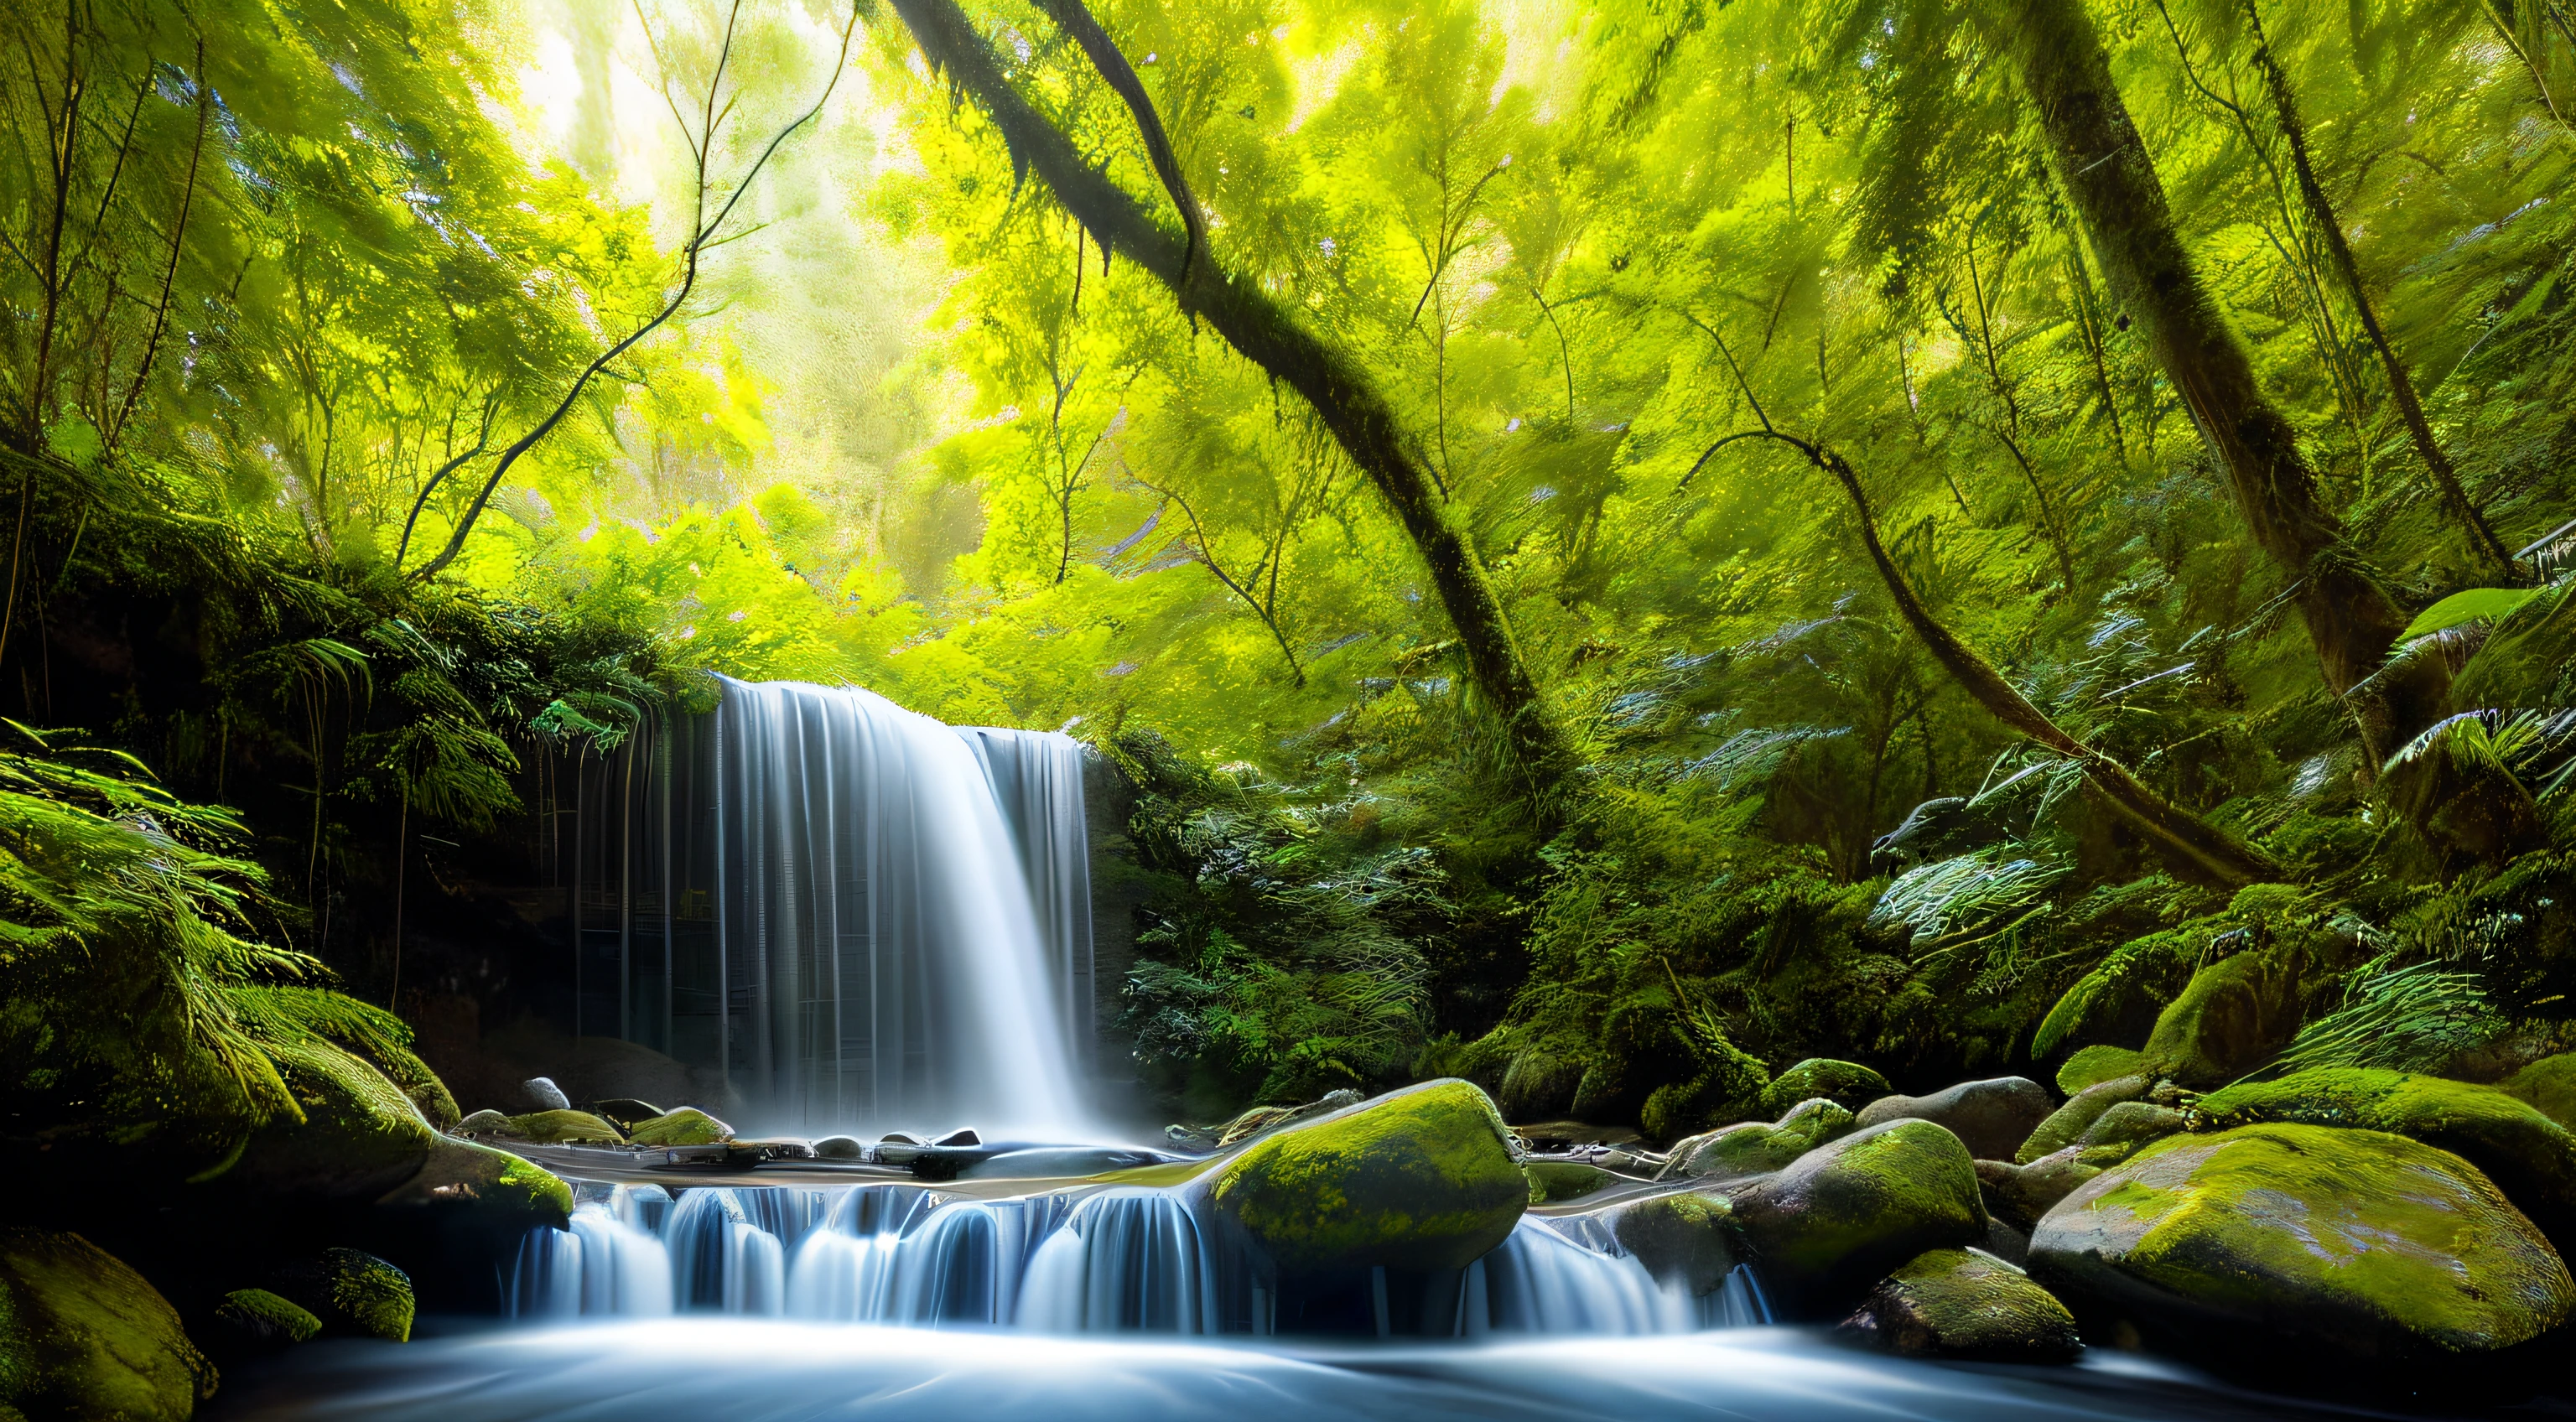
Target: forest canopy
{"type": "Point", "coordinates": [1618, 547]}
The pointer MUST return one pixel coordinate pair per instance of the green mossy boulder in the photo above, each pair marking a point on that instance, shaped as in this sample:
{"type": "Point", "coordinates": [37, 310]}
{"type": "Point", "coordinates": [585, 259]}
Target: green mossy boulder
{"type": "Point", "coordinates": [253, 1321]}
{"type": "Point", "coordinates": [482, 1123]}
{"type": "Point", "coordinates": [2070, 1121]}
{"type": "Point", "coordinates": [1423, 1178]}
{"type": "Point", "coordinates": [686, 1126]}
{"type": "Point", "coordinates": [83, 1336]}
{"type": "Point", "coordinates": [2129, 1125]}
{"type": "Point", "coordinates": [1951, 1303]}
{"type": "Point", "coordinates": [1846, 1084]}
{"type": "Point", "coordinates": [562, 1128]}
{"type": "Point", "coordinates": [1837, 1219]}
{"type": "Point", "coordinates": [461, 1172]}
{"type": "Point", "coordinates": [2547, 1086]}
{"type": "Point", "coordinates": [2020, 1194]}
{"type": "Point", "coordinates": [2305, 1249]}
{"type": "Point", "coordinates": [1686, 1239]}
{"type": "Point", "coordinates": [2232, 1018]}
{"type": "Point", "coordinates": [1991, 1118]}
{"type": "Point", "coordinates": [2529, 1156]}
{"type": "Point", "coordinates": [2092, 1066]}
{"type": "Point", "coordinates": [360, 1136]}
{"type": "Point", "coordinates": [1553, 1182]}
{"type": "Point", "coordinates": [1752, 1148]}
{"type": "Point", "coordinates": [285, 1015]}
{"type": "Point", "coordinates": [356, 1295]}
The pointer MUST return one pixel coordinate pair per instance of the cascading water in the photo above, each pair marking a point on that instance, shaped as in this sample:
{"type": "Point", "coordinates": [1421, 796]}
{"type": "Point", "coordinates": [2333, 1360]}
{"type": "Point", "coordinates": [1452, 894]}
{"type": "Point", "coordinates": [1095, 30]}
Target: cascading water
{"type": "Point", "coordinates": [861, 915]}
{"type": "Point", "coordinates": [1106, 1260]}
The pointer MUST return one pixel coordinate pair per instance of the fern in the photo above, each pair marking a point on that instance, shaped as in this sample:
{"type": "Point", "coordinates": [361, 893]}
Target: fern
{"type": "Point", "coordinates": [2415, 1018]}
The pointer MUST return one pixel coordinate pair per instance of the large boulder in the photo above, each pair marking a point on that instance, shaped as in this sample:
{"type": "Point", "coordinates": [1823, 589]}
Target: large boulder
{"type": "Point", "coordinates": [1992, 1118]}
{"type": "Point", "coordinates": [2531, 1157]}
{"type": "Point", "coordinates": [539, 1093]}
{"type": "Point", "coordinates": [354, 1294]}
{"type": "Point", "coordinates": [2069, 1122]}
{"type": "Point", "coordinates": [1423, 1178]}
{"type": "Point", "coordinates": [1847, 1084]}
{"type": "Point", "coordinates": [1952, 1303]}
{"type": "Point", "coordinates": [2129, 1125]}
{"type": "Point", "coordinates": [2231, 1018]}
{"type": "Point", "coordinates": [562, 1128]}
{"type": "Point", "coordinates": [1685, 1239]}
{"type": "Point", "coordinates": [2294, 1247]}
{"type": "Point", "coordinates": [1752, 1148]}
{"type": "Point", "coordinates": [83, 1336]}
{"type": "Point", "coordinates": [461, 1172]}
{"type": "Point", "coordinates": [686, 1126]}
{"type": "Point", "coordinates": [2020, 1194]}
{"type": "Point", "coordinates": [1838, 1218]}
{"type": "Point", "coordinates": [360, 1136]}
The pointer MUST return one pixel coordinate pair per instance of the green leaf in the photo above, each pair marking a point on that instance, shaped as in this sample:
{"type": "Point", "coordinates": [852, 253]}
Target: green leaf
{"type": "Point", "coordinates": [2475, 605]}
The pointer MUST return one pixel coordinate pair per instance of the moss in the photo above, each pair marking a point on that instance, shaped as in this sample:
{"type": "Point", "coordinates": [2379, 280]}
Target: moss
{"type": "Point", "coordinates": [2092, 1066]}
{"type": "Point", "coordinates": [1753, 1148]}
{"type": "Point", "coordinates": [83, 1336]}
{"type": "Point", "coordinates": [286, 1015]}
{"type": "Point", "coordinates": [2072, 1120]}
{"type": "Point", "coordinates": [1540, 1083]}
{"type": "Point", "coordinates": [2231, 1018]}
{"type": "Point", "coordinates": [1847, 1084]}
{"type": "Point", "coordinates": [360, 1136]}
{"type": "Point", "coordinates": [1423, 1178]}
{"type": "Point", "coordinates": [1553, 1182]}
{"type": "Point", "coordinates": [460, 1172]}
{"type": "Point", "coordinates": [482, 1123]}
{"type": "Point", "coordinates": [2346, 1244]}
{"type": "Point", "coordinates": [2547, 1086]}
{"type": "Point", "coordinates": [564, 1128]}
{"type": "Point", "coordinates": [2130, 1124]}
{"type": "Point", "coordinates": [2530, 1156]}
{"type": "Point", "coordinates": [686, 1126]}
{"type": "Point", "coordinates": [258, 1319]}
{"type": "Point", "coordinates": [1178, 1172]}
{"type": "Point", "coordinates": [354, 1294]}
{"type": "Point", "coordinates": [1951, 1303]}
{"type": "Point", "coordinates": [1685, 1239]}
{"type": "Point", "coordinates": [1841, 1216]}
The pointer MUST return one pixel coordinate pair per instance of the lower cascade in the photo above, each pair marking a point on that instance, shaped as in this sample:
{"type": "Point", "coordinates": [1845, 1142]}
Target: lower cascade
{"type": "Point", "coordinates": [1106, 1260]}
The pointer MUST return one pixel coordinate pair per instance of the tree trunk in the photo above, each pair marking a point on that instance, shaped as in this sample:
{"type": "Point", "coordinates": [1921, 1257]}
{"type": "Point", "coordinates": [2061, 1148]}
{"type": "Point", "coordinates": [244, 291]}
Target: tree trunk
{"type": "Point", "coordinates": [2108, 174]}
{"type": "Point", "coordinates": [1328, 379]}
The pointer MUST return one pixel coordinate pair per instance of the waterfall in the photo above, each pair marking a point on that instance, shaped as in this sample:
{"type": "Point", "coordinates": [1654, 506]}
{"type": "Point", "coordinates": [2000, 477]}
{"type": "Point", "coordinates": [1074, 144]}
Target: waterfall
{"type": "Point", "coordinates": [860, 915]}
{"type": "Point", "coordinates": [1115, 1260]}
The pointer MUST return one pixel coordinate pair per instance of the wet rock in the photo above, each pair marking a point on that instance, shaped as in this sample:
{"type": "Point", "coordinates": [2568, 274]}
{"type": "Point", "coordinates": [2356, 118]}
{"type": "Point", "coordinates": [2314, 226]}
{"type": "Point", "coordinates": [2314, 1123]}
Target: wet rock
{"type": "Point", "coordinates": [689, 1126]}
{"type": "Point", "coordinates": [1954, 1303]}
{"type": "Point", "coordinates": [2129, 1125]}
{"type": "Point", "coordinates": [1553, 1182]}
{"type": "Point", "coordinates": [1423, 1178]}
{"type": "Point", "coordinates": [250, 1322]}
{"type": "Point", "coordinates": [1752, 1148]}
{"type": "Point", "coordinates": [483, 1123]}
{"type": "Point", "coordinates": [2006, 1243]}
{"type": "Point", "coordinates": [1838, 1218]}
{"type": "Point", "coordinates": [83, 1336]}
{"type": "Point", "coordinates": [2309, 1249]}
{"type": "Point", "coordinates": [355, 1294]}
{"type": "Point", "coordinates": [1846, 1084]}
{"type": "Point", "coordinates": [494, 1181]}
{"type": "Point", "coordinates": [958, 1140]}
{"type": "Point", "coordinates": [1686, 1238]}
{"type": "Point", "coordinates": [2529, 1156]}
{"type": "Point", "coordinates": [2069, 1122]}
{"type": "Point", "coordinates": [2091, 1066]}
{"type": "Point", "coordinates": [539, 1093]}
{"type": "Point", "coordinates": [2020, 1194]}
{"type": "Point", "coordinates": [839, 1148]}
{"type": "Point", "coordinates": [2547, 1086]}
{"type": "Point", "coordinates": [562, 1128]}
{"type": "Point", "coordinates": [1991, 1118]}
{"type": "Point", "coordinates": [2231, 1018]}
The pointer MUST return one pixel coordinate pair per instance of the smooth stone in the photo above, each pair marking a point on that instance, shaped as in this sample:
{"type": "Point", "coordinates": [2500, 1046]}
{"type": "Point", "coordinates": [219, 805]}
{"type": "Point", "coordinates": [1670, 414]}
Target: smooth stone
{"type": "Point", "coordinates": [2290, 1249]}
{"type": "Point", "coordinates": [1684, 1238]}
{"type": "Point", "coordinates": [956, 1140]}
{"type": "Point", "coordinates": [83, 1336]}
{"type": "Point", "coordinates": [2091, 1066]}
{"type": "Point", "coordinates": [2129, 1125]}
{"type": "Point", "coordinates": [1957, 1303]}
{"type": "Point", "coordinates": [562, 1128]}
{"type": "Point", "coordinates": [539, 1093]}
{"type": "Point", "coordinates": [1422, 1178]}
{"type": "Point", "coordinates": [686, 1126]}
{"type": "Point", "coordinates": [1847, 1084]}
{"type": "Point", "coordinates": [493, 1181]}
{"type": "Point", "coordinates": [1837, 1219]}
{"type": "Point", "coordinates": [1753, 1148]}
{"type": "Point", "coordinates": [2068, 1123]}
{"type": "Point", "coordinates": [2547, 1086]}
{"type": "Point", "coordinates": [1991, 1118]}
{"type": "Point", "coordinates": [2006, 1243]}
{"type": "Point", "coordinates": [2020, 1194]}
{"type": "Point", "coordinates": [483, 1123]}
{"type": "Point", "coordinates": [839, 1148]}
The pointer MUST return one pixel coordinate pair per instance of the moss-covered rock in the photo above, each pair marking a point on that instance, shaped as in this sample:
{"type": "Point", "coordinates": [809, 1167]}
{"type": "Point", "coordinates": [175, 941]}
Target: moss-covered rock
{"type": "Point", "coordinates": [1835, 1220]}
{"type": "Point", "coordinates": [2070, 1121]}
{"type": "Point", "coordinates": [2305, 1246]}
{"type": "Point", "coordinates": [1991, 1118]}
{"type": "Point", "coordinates": [2531, 1157]}
{"type": "Point", "coordinates": [461, 1172]}
{"type": "Point", "coordinates": [485, 1122]}
{"type": "Point", "coordinates": [287, 1015]}
{"type": "Point", "coordinates": [1950, 1303]}
{"type": "Point", "coordinates": [2021, 1194]}
{"type": "Point", "coordinates": [1423, 1178]}
{"type": "Point", "coordinates": [684, 1127]}
{"type": "Point", "coordinates": [253, 1321]}
{"type": "Point", "coordinates": [562, 1128]}
{"type": "Point", "coordinates": [83, 1336]}
{"type": "Point", "coordinates": [354, 1294]}
{"type": "Point", "coordinates": [2091, 1066]}
{"type": "Point", "coordinates": [2547, 1086]}
{"type": "Point", "coordinates": [1846, 1084]}
{"type": "Point", "coordinates": [2129, 1125]}
{"type": "Point", "coordinates": [1727, 1091]}
{"type": "Point", "coordinates": [1752, 1148]}
{"type": "Point", "coordinates": [2232, 1017]}
{"type": "Point", "coordinates": [360, 1136]}
{"type": "Point", "coordinates": [1553, 1182]}
{"type": "Point", "coordinates": [1686, 1239]}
